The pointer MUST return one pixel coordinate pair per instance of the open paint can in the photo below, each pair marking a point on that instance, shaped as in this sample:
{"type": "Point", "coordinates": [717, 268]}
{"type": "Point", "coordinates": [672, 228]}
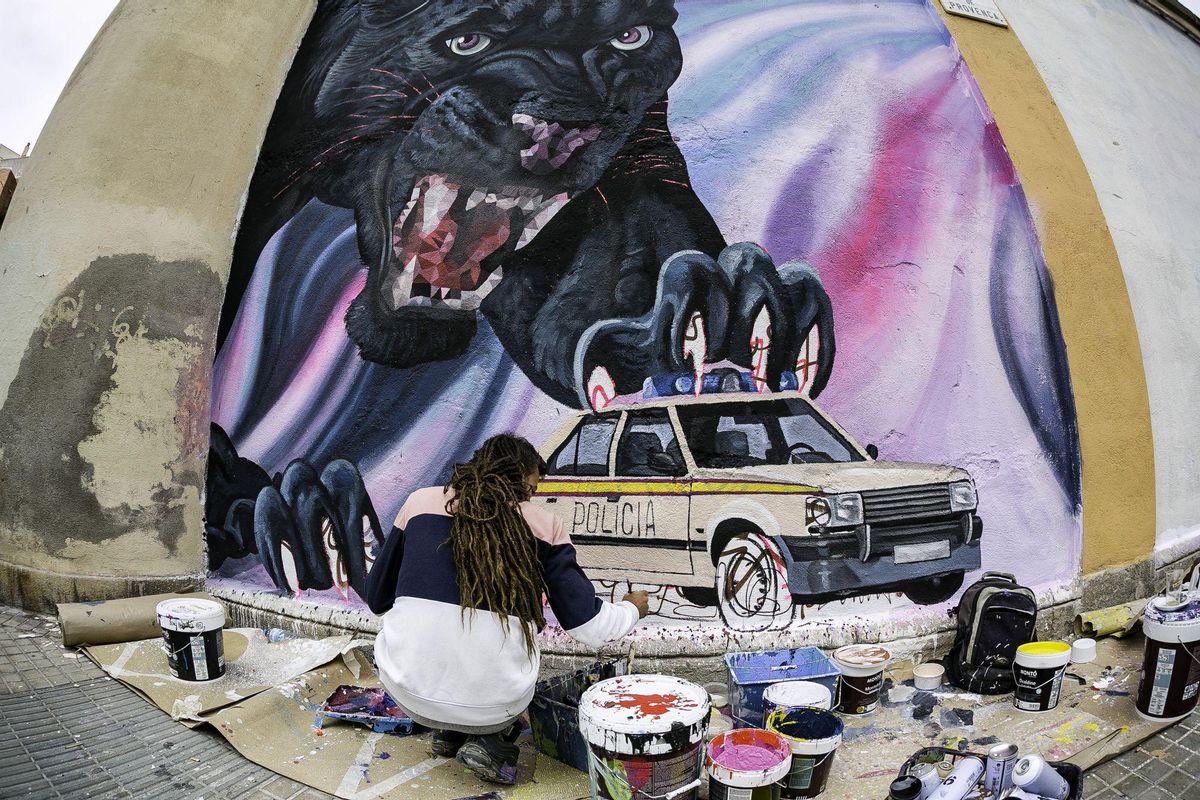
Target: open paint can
{"type": "Point", "coordinates": [645, 735]}
{"type": "Point", "coordinates": [1038, 670]}
{"type": "Point", "coordinates": [862, 667]}
{"type": "Point", "coordinates": [1170, 682]}
{"type": "Point", "coordinates": [191, 632]}
{"type": "Point", "coordinates": [747, 764]}
{"type": "Point", "coordinates": [796, 694]}
{"type": "Point", "coordinates": [814, 735]}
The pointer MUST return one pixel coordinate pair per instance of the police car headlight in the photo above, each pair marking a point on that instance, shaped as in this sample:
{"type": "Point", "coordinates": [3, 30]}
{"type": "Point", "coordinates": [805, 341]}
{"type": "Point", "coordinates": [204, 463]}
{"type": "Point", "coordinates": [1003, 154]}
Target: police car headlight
{"type": "Point", "coordinates": [847, 509]}
{"type": "Point", "coordinates": [962, 496]}
{"type": "Point", "coordinates": [817, 512]}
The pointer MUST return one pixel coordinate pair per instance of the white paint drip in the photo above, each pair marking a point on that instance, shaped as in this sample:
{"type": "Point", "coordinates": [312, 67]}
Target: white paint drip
{"type": "Point", "coordinates": [410, 774]}
{"type": "Point", "coordinates": [354, 773]}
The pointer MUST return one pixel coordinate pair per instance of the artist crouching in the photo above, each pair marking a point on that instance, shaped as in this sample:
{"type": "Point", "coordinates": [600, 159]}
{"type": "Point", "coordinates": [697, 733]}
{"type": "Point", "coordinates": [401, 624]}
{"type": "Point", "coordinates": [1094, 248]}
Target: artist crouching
{"type": "Point", "coordinates": [459, 584]}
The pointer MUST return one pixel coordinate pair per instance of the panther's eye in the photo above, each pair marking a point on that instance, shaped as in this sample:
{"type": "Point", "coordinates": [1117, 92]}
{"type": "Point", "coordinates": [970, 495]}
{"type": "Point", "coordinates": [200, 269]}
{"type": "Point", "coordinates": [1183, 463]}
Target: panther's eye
{"type": "Point", "coordinates": [633, 38]}
{"type": "Point", "coordinates": [469, 44]}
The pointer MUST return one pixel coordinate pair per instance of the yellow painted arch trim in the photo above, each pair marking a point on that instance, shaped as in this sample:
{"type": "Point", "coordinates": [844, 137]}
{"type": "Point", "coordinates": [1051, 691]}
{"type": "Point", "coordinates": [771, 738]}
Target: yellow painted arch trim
{"type": "Point", "coordinates": [670, 487]}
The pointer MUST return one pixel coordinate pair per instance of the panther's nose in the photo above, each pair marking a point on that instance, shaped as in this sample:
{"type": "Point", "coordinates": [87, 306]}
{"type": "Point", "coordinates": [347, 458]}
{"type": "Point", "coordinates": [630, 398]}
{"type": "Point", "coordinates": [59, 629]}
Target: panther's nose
{"type": "Point", "coordinates": [553, 144]}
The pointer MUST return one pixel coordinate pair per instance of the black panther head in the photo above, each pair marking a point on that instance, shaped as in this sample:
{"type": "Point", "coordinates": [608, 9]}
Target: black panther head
{"type": "Point", "coordinates": [457, 129]}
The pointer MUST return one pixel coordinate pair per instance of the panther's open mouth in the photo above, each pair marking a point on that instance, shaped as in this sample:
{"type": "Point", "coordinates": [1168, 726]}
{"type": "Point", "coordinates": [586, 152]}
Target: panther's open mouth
{"type": "Point", "coordinates": [447, 230]}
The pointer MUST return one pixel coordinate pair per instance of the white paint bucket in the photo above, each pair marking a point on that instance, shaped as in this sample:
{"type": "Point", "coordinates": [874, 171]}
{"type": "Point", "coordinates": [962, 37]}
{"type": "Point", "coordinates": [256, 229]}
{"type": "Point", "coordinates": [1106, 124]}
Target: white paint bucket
{"type": "Point", "coordinates": [1083, 651]}
{"type": "Point", "coordinates": [862, 667]}
{"type": "Point", "coordinates": [1038, 670]}
{"type": "Point", "coordinates": [1170, 683]}
{"type": "Point", "coordinates": [646, 737]}
{"type": "Point", "coordinates": [747, 764]}
{"type": "Point", "coordinates": [814, 735]}
{"type": "Point", "coordinates": [796, 694]}
{"type": "Point", "coordinates": [191, 631]}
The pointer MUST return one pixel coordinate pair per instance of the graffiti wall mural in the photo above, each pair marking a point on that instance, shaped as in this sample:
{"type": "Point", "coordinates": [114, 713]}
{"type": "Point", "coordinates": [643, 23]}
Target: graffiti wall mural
{"type": "Point", "coordinates": [759, 278]}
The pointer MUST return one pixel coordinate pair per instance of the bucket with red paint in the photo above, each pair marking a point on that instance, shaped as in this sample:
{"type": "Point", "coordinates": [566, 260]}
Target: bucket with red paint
{"type": "Point", "coordinates": [645, 734]}
{"type": "Point", "coordinates": [747, 764]}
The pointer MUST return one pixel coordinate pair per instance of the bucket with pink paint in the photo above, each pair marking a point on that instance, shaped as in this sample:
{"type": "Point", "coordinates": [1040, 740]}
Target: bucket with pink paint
{"type": "Point", "coordinates": [645, 736]}
{"type": "Point", "coordinates": [747, 764]}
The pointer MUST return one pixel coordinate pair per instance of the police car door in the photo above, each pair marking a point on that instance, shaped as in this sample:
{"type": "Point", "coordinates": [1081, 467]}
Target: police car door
{"type": "Point", "coordinates": [649, 502]}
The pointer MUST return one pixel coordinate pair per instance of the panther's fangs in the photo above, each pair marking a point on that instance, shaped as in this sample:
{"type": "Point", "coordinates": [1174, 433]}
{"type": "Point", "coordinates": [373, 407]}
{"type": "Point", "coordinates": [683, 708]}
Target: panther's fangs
{"type": "Point", "coordinates": [445, 233]}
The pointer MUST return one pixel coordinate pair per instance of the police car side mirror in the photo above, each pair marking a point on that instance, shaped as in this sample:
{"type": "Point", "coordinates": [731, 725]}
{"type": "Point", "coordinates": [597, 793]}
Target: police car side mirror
{"type": "Point", "coordinates": [872, 452]}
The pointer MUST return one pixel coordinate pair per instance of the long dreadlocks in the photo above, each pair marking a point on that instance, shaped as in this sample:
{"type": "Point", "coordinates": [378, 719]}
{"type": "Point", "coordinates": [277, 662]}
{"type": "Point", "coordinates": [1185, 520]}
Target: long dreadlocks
{"type": "Point", "coordinates": [495, 553]}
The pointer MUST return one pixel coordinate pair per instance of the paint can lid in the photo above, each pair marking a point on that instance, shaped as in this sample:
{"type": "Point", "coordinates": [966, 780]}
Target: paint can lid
{"type": "Point", "coordinates": [1173, 619]}
{"type": "Point", "coordinates": [644, 714]}
{"type": "Point", "coordinates": [748, 758]}
{"type": "Point", "coordinates": [190, 614]}
{"type": "Point", "coordinates": [790, 694]}
{"type": "Point", "coordinates": [905, 787]}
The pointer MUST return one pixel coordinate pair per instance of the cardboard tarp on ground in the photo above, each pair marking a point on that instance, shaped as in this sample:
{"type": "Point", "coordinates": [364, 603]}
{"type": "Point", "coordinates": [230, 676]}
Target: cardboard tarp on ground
{"type": "Point", "coordinates": [253, 664]}
{"type": "Point", "coordinates": [266, 706]}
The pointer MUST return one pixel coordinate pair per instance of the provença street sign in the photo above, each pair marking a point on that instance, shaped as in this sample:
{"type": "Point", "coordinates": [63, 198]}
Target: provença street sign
{"type": "Point", "coordinates": [985, 10]}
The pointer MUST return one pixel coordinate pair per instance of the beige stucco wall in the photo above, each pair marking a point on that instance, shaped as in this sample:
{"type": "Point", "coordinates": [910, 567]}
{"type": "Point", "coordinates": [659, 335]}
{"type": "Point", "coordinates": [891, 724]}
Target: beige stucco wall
{"type": "Point", "coordinates": [113, 258]}
{"type": "Point", "coordinates": [1128, 85]}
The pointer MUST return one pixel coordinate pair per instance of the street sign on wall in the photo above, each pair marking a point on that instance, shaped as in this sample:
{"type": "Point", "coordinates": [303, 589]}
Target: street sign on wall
{"type": "Point", "coordinates": [985, 10]}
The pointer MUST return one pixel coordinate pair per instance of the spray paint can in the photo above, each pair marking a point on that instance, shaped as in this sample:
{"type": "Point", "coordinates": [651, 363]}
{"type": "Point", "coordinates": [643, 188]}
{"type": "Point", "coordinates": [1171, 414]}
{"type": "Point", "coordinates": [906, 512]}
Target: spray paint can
{"type": "Point", "coordinates": [905, 787]}
{"type": "Point", "coordinates": [961, 780]}
{"type": "Point", "coordinates": [1033, 775]}
{"type": "Point", "coordinates": [1001, 760]}
{"type": "Point", "coordinates": [928, 775]}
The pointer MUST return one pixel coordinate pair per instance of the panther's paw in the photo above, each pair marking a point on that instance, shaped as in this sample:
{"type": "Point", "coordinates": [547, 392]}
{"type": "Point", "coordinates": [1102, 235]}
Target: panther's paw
{"type": "Point", "coordinates": [739, 308]}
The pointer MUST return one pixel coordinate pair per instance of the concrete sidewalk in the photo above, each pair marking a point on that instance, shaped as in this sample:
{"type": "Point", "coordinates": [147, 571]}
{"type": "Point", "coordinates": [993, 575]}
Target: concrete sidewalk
{"type": "Point", "coordinates": [69, 731]}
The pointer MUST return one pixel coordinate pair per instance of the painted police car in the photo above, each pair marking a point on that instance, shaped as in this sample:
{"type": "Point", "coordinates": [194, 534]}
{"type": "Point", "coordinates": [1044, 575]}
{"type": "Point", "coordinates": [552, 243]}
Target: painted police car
{"type": "Point", "coordinates": [754, 502]}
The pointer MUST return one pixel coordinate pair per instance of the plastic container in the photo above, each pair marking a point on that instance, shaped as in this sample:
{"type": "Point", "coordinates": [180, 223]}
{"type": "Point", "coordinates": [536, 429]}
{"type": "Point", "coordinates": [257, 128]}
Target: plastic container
{"type": "Point", "coordinates": [861, 667]}
{"type": "Point", "coordinates": [814, 735]}
{"type": "Point", "coordinates": [1083, 651]}
{"type": "Point", "coordinates": [928, 677]}
{"type": "Point", "coordinates": [554, 712]}
{"type": "Point", "coordinates": [796, 694]}
{"type": "Point", "coordinates": [645, 736]}
{"type": "Point", "coordinates": [747, 764]}
{"type": "Point", "coordinates": [750, 674]}
{"type": "Point", "coordinates": [191, 632]}
{"type": "Point", "coordinates": [1170, 682]}
{"type": "Point", "coordinates": [1038, 670]}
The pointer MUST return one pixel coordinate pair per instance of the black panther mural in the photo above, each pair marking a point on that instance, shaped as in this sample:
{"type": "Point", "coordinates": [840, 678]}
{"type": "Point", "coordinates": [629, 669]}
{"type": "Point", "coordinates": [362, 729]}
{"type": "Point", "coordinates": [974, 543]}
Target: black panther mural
{"type": "Point", "coordinates": [507, 162]}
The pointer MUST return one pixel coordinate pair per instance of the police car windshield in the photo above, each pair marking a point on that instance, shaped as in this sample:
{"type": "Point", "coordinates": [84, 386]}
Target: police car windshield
{"type": "Point", "coordinates": [761, 432]}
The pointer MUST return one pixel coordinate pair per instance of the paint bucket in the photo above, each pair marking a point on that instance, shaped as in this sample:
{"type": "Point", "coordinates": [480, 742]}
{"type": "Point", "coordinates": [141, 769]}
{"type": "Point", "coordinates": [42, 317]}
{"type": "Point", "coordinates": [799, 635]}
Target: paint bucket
{"type": "Point", "coordinates": [862, 667]}
{"type": "Point", "coordinates": [747, 764]}
{"type": "Point", "coordinates": [751, 673]}
{"type": "Point", "coordinates": [1038, 670]}
{"type": "Point", "coordinates": [1170, 683]}
{"type": "Point", "coordinates": [1035, 777]}
{"type": "Point", "coordinates": [646, 737]}
{"type": "Point", "coordinates": [796, 694]}
{"type": "Point", "coordinates": [191, 632]}
{"type": "Point", "coordinates": [814, 735]}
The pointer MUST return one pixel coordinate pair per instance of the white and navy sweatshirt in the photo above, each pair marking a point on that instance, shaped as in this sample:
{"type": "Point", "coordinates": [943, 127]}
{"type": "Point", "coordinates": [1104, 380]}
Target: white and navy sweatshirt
{"type": "Point", "coordinates": [465, 671]}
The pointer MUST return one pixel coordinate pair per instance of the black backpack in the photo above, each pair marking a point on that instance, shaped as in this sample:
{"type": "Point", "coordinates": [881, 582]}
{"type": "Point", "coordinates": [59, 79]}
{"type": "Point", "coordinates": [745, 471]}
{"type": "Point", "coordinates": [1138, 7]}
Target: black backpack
{"type": "Point", "coordinates": [996, 615]}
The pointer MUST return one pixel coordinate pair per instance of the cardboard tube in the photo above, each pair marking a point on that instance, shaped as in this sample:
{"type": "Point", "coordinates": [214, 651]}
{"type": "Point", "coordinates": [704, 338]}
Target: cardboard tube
{"type": "Point", "coordinates": [1113, 621]}
{"type": "Point", "coordinates": [130, 619]}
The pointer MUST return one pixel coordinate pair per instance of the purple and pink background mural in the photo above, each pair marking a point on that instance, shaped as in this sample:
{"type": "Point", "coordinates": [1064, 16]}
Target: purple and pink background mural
{"type": "Point", "coordinates": [846, 135]}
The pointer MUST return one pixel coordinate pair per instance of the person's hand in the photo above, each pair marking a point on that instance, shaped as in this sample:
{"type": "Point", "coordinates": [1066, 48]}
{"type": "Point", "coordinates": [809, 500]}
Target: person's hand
{"type": "Point", "coordinates": [641, 600]}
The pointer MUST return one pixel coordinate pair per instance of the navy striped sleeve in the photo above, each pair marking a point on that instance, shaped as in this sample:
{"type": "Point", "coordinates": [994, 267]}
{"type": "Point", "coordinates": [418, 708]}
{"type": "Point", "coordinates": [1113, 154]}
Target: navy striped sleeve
{"type": "Point", "coordinates": [384, 575]}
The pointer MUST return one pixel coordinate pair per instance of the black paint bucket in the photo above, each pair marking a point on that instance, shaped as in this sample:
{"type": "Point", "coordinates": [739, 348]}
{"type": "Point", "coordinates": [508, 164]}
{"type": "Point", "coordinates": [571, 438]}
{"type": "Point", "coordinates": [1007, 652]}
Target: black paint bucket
{"type": "Point", "coordinates": [814, 735]}
{"type": "Point", "coordinates": [191, 631]}
{"type": "Point", "coordinates": [1170, 684]}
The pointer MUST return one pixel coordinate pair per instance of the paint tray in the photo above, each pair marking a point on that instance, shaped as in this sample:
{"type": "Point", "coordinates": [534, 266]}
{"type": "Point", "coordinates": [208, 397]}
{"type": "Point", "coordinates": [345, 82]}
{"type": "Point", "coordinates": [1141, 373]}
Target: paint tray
{"type": "Point", "coordinates": [751, 673]}
{"type": "Point", "coordinates": [554, 712]}
{"type": "Point", "coordinates": [371, 707]}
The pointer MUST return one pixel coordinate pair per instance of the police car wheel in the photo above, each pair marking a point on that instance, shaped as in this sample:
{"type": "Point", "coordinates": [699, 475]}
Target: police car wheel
{"type": "Point", "coordinates": [752, 587]}
{"type": "Point", "coordinates": [934, 590]}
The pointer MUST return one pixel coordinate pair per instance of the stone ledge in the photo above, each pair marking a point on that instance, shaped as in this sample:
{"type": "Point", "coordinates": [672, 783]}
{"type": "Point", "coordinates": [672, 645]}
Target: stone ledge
{"type": "Point", "coordinates": [40, 590]}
